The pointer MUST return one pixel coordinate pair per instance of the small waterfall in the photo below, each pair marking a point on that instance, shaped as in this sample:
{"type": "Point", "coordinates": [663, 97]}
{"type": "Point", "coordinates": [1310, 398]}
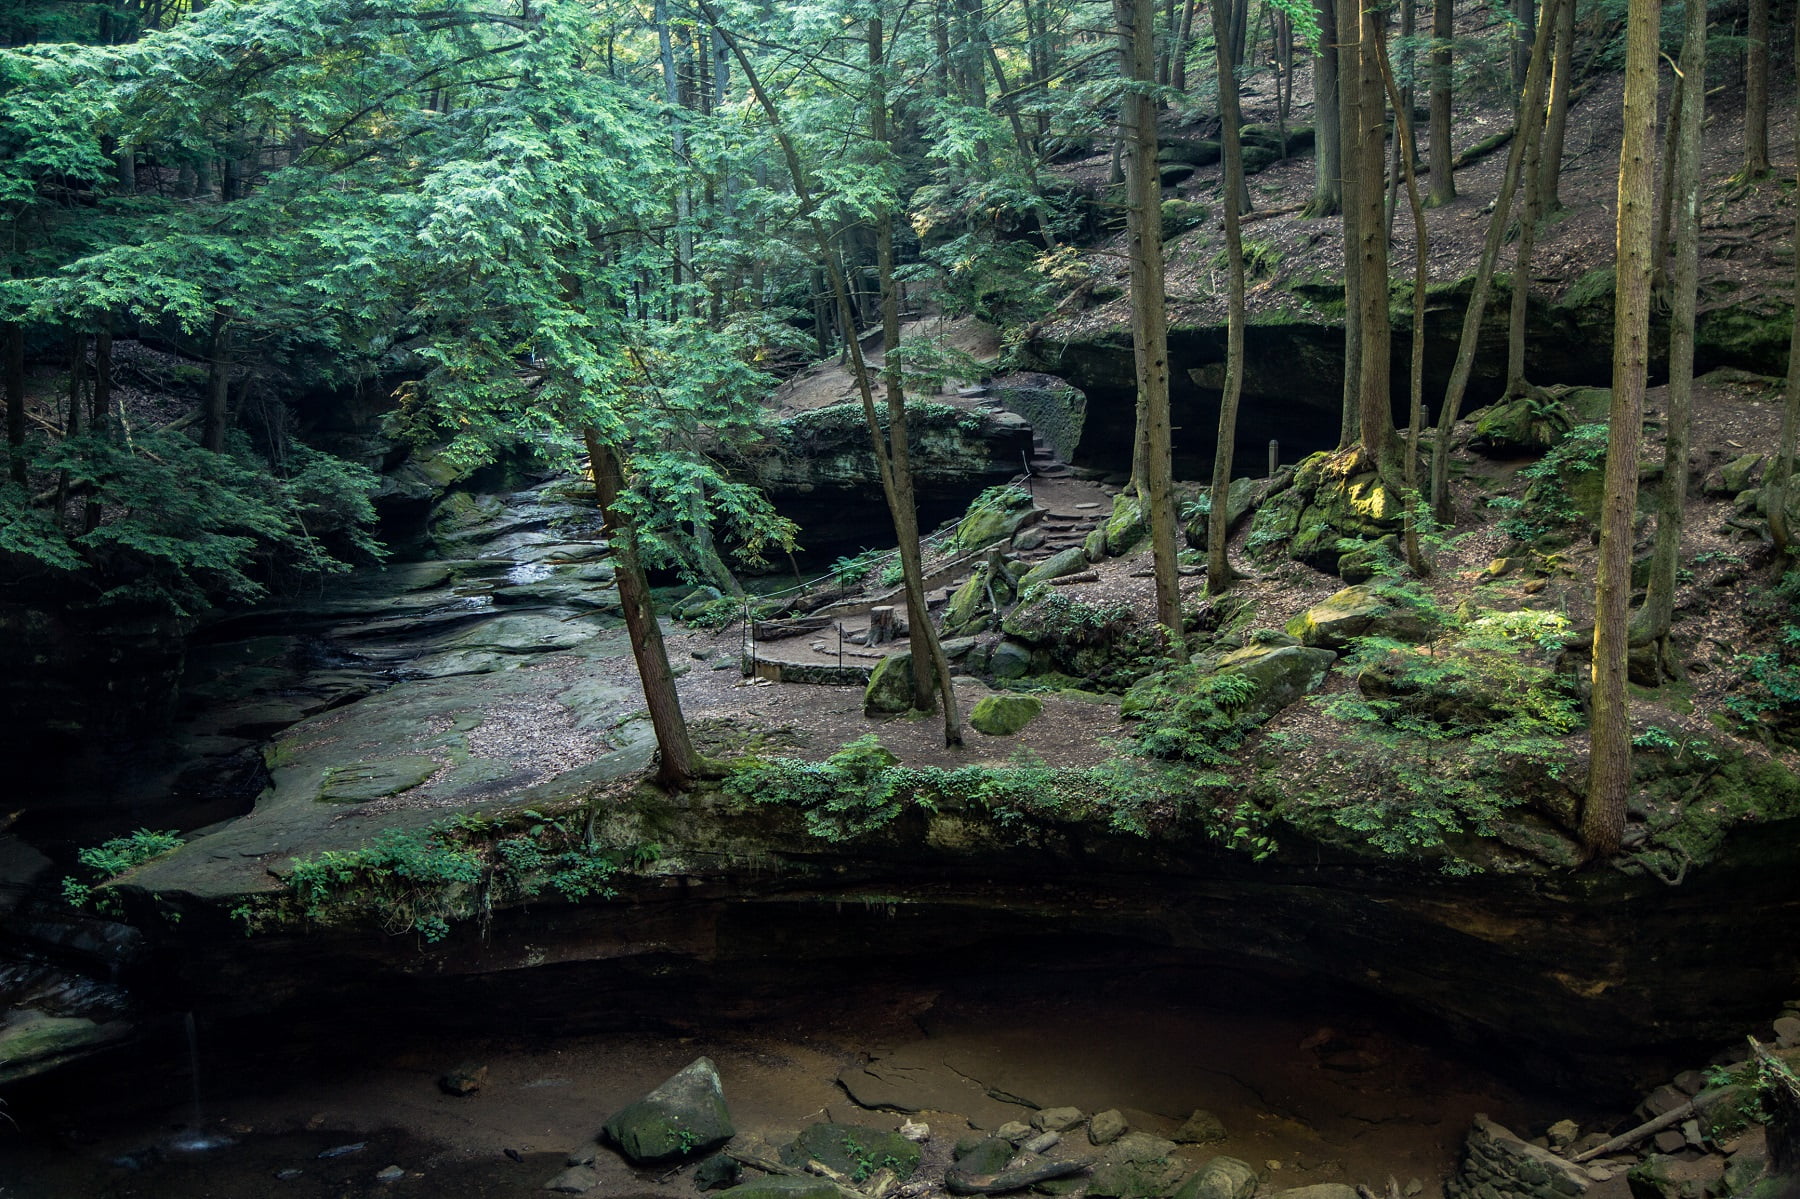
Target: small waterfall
{"type": "Point", "coordinates": [195, 1139]}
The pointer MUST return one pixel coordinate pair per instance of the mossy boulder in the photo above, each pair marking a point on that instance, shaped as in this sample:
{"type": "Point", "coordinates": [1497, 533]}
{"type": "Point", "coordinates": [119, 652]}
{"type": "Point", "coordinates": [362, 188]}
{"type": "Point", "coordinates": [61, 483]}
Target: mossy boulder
{"type": "Point", "coordinates": [971, 607]}
{"type": "Point", "coordinates": [1240, 499]}
{"type": "Point", "coordinates": [782, 1186]}
{"type": "Point", "coordinates": [1004, 715]}
{"type": "Point", "coordinates": [1370, 559]}
{"type": "Point", "coordinates": [890, 688]}
{"type": "Point", "coordinates": [1065, 562]}
{"type": "Point", "coordinates": [1125, 527]}
{"type": "Point", "coordinates": [1366, 610]}
{"type": "Point", "coordinates": [682, 1118]}
{"type": "Point", "coordinates": [853, 1151]}
{"type": "Point", "coordinates": [1198, 152]}
{"type": "Point", "coordinates": [1522, 425]}
{"type": "Point", "coordinates": [1179, 216]}
{"type": "Point", "coordinates": [995, 515]}
{"type": "Point", "coordinates": [984, 1155]}
{"type": "Point", "coordinates": [1010, 660]}
{"type": "Point", "coordinates": [1281, 673]}
{"type": "Point", "coordinates": [1743, 473]}
{"type": "Point", "coordinates": [1339, 501]}
{"type": "Point", "coordinates": [1136, 1166]}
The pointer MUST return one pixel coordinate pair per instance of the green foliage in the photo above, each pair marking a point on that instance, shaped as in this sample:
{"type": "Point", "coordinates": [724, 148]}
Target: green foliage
{"type": "Point", "coordinates": [853, 570]}
{"type": "Point", "coordinates": [1766, 697]}
{"type": "Point", "coordinates": [1188, 715]}
{"type": "Point", "coordinates": [1548, 505]}
{"type": "Point", "coordinates": [111, 859]}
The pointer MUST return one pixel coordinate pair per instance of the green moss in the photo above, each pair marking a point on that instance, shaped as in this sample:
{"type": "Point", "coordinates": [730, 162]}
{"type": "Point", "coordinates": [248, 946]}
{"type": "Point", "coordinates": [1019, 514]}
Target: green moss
{"type": "Point", "coordinates": [1004, 715]}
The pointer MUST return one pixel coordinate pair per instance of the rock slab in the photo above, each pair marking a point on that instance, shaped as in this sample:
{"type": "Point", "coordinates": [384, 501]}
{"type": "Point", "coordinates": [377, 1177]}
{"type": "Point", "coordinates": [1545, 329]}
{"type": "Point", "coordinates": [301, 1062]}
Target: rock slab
{"type": "Point", "coordinates": [684, 1116]}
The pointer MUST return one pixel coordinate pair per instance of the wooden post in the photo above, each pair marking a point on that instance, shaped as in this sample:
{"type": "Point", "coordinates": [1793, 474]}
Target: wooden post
{"type": "Point", "coordinates": [1274, 457]}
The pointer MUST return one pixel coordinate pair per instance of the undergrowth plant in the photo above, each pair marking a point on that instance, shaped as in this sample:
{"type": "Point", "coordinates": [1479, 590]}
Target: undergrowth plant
{"type": "Point", "coordinates": [1766, 698]}
{"type": "Point", "coordinates": [108, 861]}
{"type": "Point", "coordinates": [1548, 506]}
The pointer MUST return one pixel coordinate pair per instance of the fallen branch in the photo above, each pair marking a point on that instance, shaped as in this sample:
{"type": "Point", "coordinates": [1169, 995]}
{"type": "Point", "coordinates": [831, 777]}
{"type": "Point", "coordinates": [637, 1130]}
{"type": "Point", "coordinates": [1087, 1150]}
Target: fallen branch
{"type": "Point", "coordinates": [1668, 1119]}
{"type": "Point", "coordinates": [1250, 217]}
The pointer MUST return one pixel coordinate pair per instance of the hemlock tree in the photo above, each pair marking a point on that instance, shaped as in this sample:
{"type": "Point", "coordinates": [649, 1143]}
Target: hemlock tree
{"type": "Point", "coordinates": [1219, 572]}
{"type": "Point", "coordinates": [1609, 774]}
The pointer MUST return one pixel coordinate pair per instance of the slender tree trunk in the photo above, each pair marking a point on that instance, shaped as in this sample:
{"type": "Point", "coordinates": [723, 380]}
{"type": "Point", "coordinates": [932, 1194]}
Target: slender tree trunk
{"type": "Point", "coordinates": [679, 765]}
{"type": "Point", "coordinates": [1178, 52]}
{"type": "Point", "coordinates": [1328, 172]}
{"type": "Point", "coordinates": [1531, 133]}
{"type": "Point", "coordinates": [1349, 91]}
{"type": "Point", "coordinates": [1659, 601]}
{"type": "Point", "coordinates": [1756, 93]}
{"type": "Point", "coordinates": [1415, 556]}
{"type": "Point", "coordinates": [1375, 401]}
{"type": "Point", "coordinates": [1780, 477]}
{"type": "Point", "coordinates": [1556, 125]}
{"type": "Point", "coordinates": [684, 236]}
{"type": "Point", "coordinates": [99, 411]}
{"type": "Point", "coordinates": [72, 416]}
{"type": "Point", "coordinates": [1149, 314]}
{"type": "Point", "coordinates": [13, 349]}
{"type": "Point", "coordinates": [1443, 176]}
{"type": "Point", "coordinates": [1609, 774]}
{"type": "Point", "coordinates": [1665, 204]}
{"type": "Point", "coordinates": [1219, 572]}
{"type": "Point", "coordinates": [1521, 46]}
{"type": "Point", "coordinates": [214, 414]}
{"type": "Point", "coordinates": [1531, 102]}
{"type": "Point", "coordinates": [905, 520]}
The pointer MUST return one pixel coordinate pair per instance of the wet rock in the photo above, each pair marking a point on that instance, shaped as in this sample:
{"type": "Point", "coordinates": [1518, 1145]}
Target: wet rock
{"type": "Point", "coordinates": [719, 1170]}
{"type": "Point", "coordinates": [1107, 1127]}
{"type": "Point", "coordinates": [1221, 1178]}
{"type": "Point", "coordinates": [576, 1180]}
{"type": "Point", "coordinates": [390, 1174]}
{"type": "Point", "coordinates": [686, 1115]}
{"type": "Point", "coordinates": [342, 1150]}
{"type": "Point", "coordinates": [1058, 1119]}
{"type": "Point", "coordinates": [853, 1151]}
{"type": "Point", "coordinates": [1201, 1128]}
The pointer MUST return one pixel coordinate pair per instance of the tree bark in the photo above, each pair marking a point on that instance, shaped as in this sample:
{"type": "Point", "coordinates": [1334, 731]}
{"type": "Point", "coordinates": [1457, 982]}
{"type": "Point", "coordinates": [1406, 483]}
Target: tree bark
{"type": "Point", "coordinates": [1219, 572]}
{"type": "Point", "coordinates": [1328, 178]}
{"type": "Point", "coordinates": [1609, 773]}
{"type": "Point", "coordinates": [1443, 175]}
{"type": "Point", "coordinates": [216, 409]}
{"type": "Point", "coordinates": [678, 763]}
{"type": "Point", "coordinates": [99, 412]}
{"type": "Point", "coordinates": [13, 350]}
{"type": "Point", "coordinates": [1756, 93]}
{"type": "Point", "coordinates": [1349, 28]}
{"type": "Point", "coordinates": [1531, 136]}
{"type": "Point", "coordinates": [1375, 400]}
{"type": "Point", "coordinates": [1556, 125]}
{"type": "Point", "coordinates": [1530, 102]}
{"type": "Point", "coordinates": [1149, 313]}
{"type": "Point", "coordinates": [1659, 601]}
{"type": "Point", "coordinates": [1522, 40]}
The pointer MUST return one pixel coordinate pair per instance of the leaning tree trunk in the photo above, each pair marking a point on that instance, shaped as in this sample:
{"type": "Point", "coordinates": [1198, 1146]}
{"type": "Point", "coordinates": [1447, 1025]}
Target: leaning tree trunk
{"type": "Point", "coordinates": [678, 765]}
{"type": "Point", "coordinates": [1219, 574]}
{"type": "Point", "coordinates": [1556, 125]}
{"type": "Point", "coordinates": [1659, 600]}
{"type": "Point", "coordinates": [1149, 314]}
{"type": "Point", "coordinates": [1609, 771]}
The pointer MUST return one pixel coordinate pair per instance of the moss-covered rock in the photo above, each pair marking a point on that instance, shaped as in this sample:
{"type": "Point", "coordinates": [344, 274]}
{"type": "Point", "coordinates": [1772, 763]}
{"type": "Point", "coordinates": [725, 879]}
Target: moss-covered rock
{"type": "Point", "coordinates": [854, 1151]}
{"type": "Point", "coordinates": [1281, 673]}
{"type": "Point", "coordinates": [1125, 527]}
{"type": "Point", "coordinates": [1179, 216]}
{"type": "Point", "coordinates": [1240, 499]}
{"type": "Point", "coordinates": [1004, 715]}
{"type": "Point", "coordinates": [890, 688]}
{"type": "Point", "coordinates": [1136, 1166]}
{"type": "Point", "coordinates": [1065, 562]}
{"type": "Point", "coordinates": [1196, 152]}
{"type": "Point", "coordinates": [1338, 501]}
{"type": "Point", "coordinates": [1366, 610]}
{"type": "Point", "coordinates": [1369, 560]}
{"type": "Point", "coordinates": [1522, 425]}
{"type": "Point", "coordinates": [685, 1116]}
{"type": "Point", "coordinates": [996, 514]}
{"type": "Point", "coordinates": [1221, 1178]}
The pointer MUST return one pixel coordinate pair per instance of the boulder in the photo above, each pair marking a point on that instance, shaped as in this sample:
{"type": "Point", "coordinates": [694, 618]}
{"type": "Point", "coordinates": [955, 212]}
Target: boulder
{"type": "Point", "coordinates": [1058, 1119]}
{"type": "Point", "coordinates": [1365, 610]}
{"type": "Point", "coordinates": [1373, 558]}
{"type": "Point", "coordinates": [1066, 562]}
{"type": "Point", "coordinates": [781, 1186]}
{"type": "Point", "coordinates": [1322, 1190]}
{"type": "Point", "coordinates": [1125, 527]}
{"type": "Point", "coordinates": [1002, 716]}
{"type": "Point", "coordinates": [890, 688]}
{"type": "Point", "coordinates": [1136, 1166]}
{"type": "Point", "coordinates": [685, 1116]}
{"type": "Point", "coordinates": [1178, 216]}
{"type": "Point", "coordinates": [576, 1180]}
{"type": "Point", "coordinates": [1010, 660]}
{"type": "Point", "coordinates": [1742, 473]}
{"type": "Point", "coordinates": [718, 1171]}
{"type": "Point", "coordinates": [1240, 499]}
{"type": "Point", "coordinates": [986, 1155]}
{"type": "Point", "coordinates": [1282, 674]}
{"type": "Point", "coordinates": [1198, 152]}
{"type": "Point", "coordinates": [1661, 1177]}
{"type": "Point", "coordinates": [1201, 1128]}
{"type": "Point", "coordinates": [995, 515]}
{"type": "Point", "coordinates": [1522, 425]}
{"type": "Point", "coordinates": [1221, 1178]}
{"type": "Point", "coordinates": [1107, 1127]}
{"type": "Point", "coordinates": [853, 1151]}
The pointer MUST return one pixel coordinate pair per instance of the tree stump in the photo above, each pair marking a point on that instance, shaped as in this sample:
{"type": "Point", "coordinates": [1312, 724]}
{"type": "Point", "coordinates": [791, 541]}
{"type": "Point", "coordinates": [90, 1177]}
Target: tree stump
{"type": "Point", "coordinates": [882, 625]}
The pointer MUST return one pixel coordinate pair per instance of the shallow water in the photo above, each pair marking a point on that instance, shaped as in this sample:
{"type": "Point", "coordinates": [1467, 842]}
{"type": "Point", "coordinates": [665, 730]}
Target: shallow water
{"type": "Point", "coordinates": [1350, 1099]}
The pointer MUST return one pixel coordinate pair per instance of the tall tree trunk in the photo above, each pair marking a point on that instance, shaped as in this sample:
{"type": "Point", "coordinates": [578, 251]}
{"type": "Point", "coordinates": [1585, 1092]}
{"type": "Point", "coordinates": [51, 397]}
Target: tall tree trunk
{"type": "Point", "coordinates": [1756, 93]}
{"type": "Point", "coordinates": [100, 411]}
{"type": "Point", "coordinates": [1659, 600]}
{"type": "Point", "coordinates": [1556, 125]}
{"type": "Point", "coordinates": [1415, 557]}
{"type": "Point", "coordinates": [1328, 173]}
{"type": "Point", "coordinates": [1665, 203]}
{"type": "Point", "coordinates": [1777, 483]}
{"type": "Point", "coordinates": [1531, 132]}
{"type": "Point", "coordinates": [1149, 314]}
{"type": "Point", "coordinates": [1530, 102]}
{"type": "Point", "coordinates": [678, 764]}
{"type": "Point", "coordinates": [1443, 176]}
{"type": "Point", "coordinates": [1609, 773]}
{"type": "Point", "coordinates": [1375, 401]}
{"type": "Point", "coordinates": [1178, 51]}
{"type": "Point", "coordinates": [13, 350]}
{"type": "Point", "coordinates": [684, 235]}
{"type": "Point", "coordinates": [1219, 573]}
{"type": "Point", "coordinates": [905, 520]}
{"type": "Point", "coordinates": [1521, 45]}
{"type": "Point", "coordinates": [216, 409]}
{"type": "Point", "coordinates": [1349, 92]}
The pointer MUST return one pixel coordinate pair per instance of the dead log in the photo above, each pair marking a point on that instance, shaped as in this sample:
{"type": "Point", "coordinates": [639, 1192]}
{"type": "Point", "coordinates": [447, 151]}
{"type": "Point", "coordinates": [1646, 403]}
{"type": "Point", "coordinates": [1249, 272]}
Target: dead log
{"type": "Point", "coordinates": [1668, 1119]}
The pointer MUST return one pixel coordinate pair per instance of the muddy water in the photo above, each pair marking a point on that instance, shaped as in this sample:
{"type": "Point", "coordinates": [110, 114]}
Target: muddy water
{"type": "Point", "coordinates": [1303, 1097]}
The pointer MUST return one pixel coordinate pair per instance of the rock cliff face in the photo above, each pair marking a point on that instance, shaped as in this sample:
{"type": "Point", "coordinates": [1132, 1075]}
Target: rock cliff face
{"type": "Point", "coordinates": [1592, 982]}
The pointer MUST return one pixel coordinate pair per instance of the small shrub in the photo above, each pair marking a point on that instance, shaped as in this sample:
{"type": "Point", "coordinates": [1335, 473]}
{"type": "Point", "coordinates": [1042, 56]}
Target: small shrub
{"type": "Point", "coordinates": [111, 859]}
